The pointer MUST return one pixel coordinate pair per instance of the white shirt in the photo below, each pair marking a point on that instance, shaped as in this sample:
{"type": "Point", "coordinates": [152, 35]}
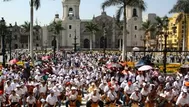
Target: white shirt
{"type": "Point", "coordinates": [73, 96]}
{"type": "Point", "coordinates": [140, 78]}
{"type": "Point", "coordinates": [51, 99]}
{"type": "Point", "coordinates": [106, 88]}
{"type": "Point", "coordinates": [31, 100]}
{"type": "Point", "coordinates": [8, 89]}
{"type": "Point", "coordinates": [135, 97]}
{"type": "Point", "coordinates": [19, 91]}
{"type": "Point", "coordinates": [144, 92]}
{"type": "Point", "coordinates": [112, 95]}
{"type": "Point", "coordinates": [129, 89]}
{"type": "Point", "coordinates": [169, 96]}
{"type": "Point", "coordinates": [43, 89]}
{"type": "Point", "coordinates": [182, 101]}
{"type": "Point", "coordinates": [15, 98]}
{"type": "Point", "coordinates": [93, 97]}
{"type": "Point", "coordinates": [102, 86]}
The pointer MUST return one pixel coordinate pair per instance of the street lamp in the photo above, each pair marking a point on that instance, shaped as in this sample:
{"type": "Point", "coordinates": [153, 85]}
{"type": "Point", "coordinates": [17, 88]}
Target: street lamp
{"type": "Point", "coordinates": [104, 34]}
{"type": "Point", "coordinates": [10, 40]}
{"type": "Point", "coordinates": [54, 47]}
{"type": "Point", "coordinates": [166, 33]}
{"type": "Point", "coordinates": [3, 28]}
{"type": "Point", "coordinates": [75, 42]}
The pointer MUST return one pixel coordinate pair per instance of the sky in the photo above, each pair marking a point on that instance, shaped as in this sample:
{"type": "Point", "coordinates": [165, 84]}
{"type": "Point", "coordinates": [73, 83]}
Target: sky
{"type": "Point", "coordinates": [19, 10]}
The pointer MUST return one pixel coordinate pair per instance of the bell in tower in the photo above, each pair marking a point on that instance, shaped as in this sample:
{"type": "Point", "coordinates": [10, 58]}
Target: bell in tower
{"type": "Point", "coordinates": [135, 12]}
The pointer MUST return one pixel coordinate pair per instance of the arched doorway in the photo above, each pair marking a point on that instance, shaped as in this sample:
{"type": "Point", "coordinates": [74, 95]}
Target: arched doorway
{"type": "Point", "coordinates": [103, 41]}
{"type": "Point", "coordinates": [15, 46]}
{"type": "Point", "coordinates": [86, 43]}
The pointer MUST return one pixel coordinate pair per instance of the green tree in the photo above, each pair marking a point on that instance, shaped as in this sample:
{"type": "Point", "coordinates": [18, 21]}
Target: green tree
{"type": "Point", "coordinates": [182, 7]}
{"type": "Point", "coordinates": [26, 27]}
{"type": "Point", "coordinates": [122, 4]}
{"type": "Point", "coordinates": [92, 28]}
{"type": "Point", "coordinates": [56, 27]}
{"type": "Point", "coordinates": [36, 4]}
{"type": "Point", "coordinates": [148, 29]}
{"type": "Point", "coordinates": [161, 25]}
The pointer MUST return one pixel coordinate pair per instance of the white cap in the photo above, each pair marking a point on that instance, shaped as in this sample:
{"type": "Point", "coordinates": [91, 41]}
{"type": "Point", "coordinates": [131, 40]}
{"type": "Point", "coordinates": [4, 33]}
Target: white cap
{"type": "Point", "coordinates": [73, 88]}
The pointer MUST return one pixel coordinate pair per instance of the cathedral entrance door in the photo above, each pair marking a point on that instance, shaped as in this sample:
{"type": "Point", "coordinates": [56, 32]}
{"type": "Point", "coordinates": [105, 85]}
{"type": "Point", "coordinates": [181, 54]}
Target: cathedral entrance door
{"type": "Point", "coordinates": [86, 43]}
{"type": "Point", "coordinates": [103, 42]}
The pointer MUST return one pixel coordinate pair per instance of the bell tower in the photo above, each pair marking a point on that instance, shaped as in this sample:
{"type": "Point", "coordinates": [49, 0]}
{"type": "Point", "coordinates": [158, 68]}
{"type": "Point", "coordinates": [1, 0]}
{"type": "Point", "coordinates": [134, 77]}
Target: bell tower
{"type": "Point", "coordinates": [134, 23]}
{"type": "Point", "coordinates": [71, 23]}
{"type": "Point", "coordinates": [71, 9]}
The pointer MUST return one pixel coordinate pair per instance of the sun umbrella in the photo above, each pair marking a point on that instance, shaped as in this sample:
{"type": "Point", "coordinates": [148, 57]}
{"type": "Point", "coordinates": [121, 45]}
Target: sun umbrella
{"type": "Point", "coordinates": [113, 65]}
{"type": "Point", "coordinates": [145, 68]}
{"type": "Point", "coordinates": [20, 63]}
{"type": "Point", "coordinates": [13, 61]}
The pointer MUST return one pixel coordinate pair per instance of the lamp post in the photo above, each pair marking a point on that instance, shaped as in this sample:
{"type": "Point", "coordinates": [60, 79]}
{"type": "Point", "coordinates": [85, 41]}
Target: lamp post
{"type": "Point", "coordinates": [10, 40]}
{"type": "Point", "coordinates": [3, 28]}
{"type": "Point", "coordinates": [54, 47]}
{"type": "Point", "coordinates": [166, 33]}
{"type": "Point", "coordinates": [75, 42]}
{"type": "Point", "coordinates": [104, 34]}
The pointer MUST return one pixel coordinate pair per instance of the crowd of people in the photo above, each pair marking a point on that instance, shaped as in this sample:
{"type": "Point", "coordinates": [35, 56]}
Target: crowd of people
{"type": "Point", "coordinates": [75, 77]}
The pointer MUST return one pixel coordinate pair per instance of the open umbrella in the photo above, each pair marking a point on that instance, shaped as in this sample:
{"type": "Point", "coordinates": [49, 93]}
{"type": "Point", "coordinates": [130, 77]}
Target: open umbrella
{"type": "Point", "coordinates": [145, 68]}
{"type": "Point", "coordinates": [114, 65]}
{"type": "Point", "coordinates": [13, 61]}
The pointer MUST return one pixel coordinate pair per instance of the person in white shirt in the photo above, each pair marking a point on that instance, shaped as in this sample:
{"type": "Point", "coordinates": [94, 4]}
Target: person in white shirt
{"type": "Point", "coordinates": [43, 88]}
{"type": "Point", "coordinates": [135, 97]}
{"type": "Point", "coordinates": [101, 87]}
{"type": "Point", "coordinates": [8, 88]}
{"type": "Point", "coordinates": [128, 90]}
{"type": "Point", "coordinates": [31, 101]}
{"type": "Point", "coordinates": [112, 97]}
{"type": "Point", "coordinates": [182, 100]}
{"type": "Point", "coordinates": [94, 97]}
{"type": "Point", "coordinates": [72, 97]}
{"type": "Point", "coordinates": [51, 99]}
{"type": "Point", "coordinates": [14, 99]}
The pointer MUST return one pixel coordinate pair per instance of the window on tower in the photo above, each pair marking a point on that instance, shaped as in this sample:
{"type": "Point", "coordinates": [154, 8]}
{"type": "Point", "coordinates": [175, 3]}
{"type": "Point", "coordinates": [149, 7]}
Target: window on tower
{"type": "Point", "coordinates": [135, 27]}
{"type": "Point", "coordinates": [70, 9]}
{"type": "Point", "coordinates": [135, 13]}
{"type": "Point", "coordinates": [70, 12]}
{"type": "Point", "coordinates": [70, 26]}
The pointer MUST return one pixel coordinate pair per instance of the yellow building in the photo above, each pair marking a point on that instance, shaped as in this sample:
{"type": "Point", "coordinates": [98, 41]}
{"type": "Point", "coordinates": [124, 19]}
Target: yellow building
{"type": "Point", "coordinates": [175, 40]}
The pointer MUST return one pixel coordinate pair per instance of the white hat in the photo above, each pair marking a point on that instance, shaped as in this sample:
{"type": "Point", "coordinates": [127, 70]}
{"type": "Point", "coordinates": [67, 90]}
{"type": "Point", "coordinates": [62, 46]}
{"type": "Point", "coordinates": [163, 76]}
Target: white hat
{"type": "Point", "coordinates": [73, 88]}
{"type": "Point", "coordinates": [17, 86]}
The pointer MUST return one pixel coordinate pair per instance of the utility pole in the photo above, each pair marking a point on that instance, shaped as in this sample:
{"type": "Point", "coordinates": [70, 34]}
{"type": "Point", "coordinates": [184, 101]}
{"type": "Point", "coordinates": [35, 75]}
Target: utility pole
{"type": "Point", "coordinates": [75, 42]}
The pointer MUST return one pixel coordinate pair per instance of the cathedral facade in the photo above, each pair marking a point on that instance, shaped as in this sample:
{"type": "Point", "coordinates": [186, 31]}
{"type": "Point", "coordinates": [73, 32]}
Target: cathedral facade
{"type": "Point", "coordinates": [75, 31]}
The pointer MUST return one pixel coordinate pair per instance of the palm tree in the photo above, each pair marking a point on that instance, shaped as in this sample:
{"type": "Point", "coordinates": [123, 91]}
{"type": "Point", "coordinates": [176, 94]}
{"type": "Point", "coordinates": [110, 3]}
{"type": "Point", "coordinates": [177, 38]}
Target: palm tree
{"type": "Point", "coordinates": [26, 28]}
{"type": "Point", "coordinates": [161, 24]}
{"type": "Point", "coordinates": [92, 28]}
{"type": "Point", "coordinates": [55, 27]}
{"type": "Point", "coordinates": [148, 28]}
{"type": "Point", "coordinates": [36, 4]}
{"type": "Point", "coordinates": [122, 4]}
{"type": "Point", "coordinates": [182, 7]}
